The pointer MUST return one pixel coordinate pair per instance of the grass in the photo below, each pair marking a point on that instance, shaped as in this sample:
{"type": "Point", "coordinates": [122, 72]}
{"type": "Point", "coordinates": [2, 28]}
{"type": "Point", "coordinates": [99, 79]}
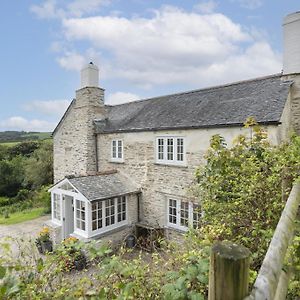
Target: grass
{"type": "Point", "coordinates": [40, 135]}
{"type": "Point", "coordinates": [22, 216]}
{"type": "Point", "coordinates": [9, 144]}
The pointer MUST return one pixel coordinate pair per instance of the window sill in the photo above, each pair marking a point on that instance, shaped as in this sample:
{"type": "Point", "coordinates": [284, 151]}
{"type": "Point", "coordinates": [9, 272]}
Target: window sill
{"type": "Point", "coordinates": [117, 161]}
{"type": "Point", "coordinates": [171, 164]}
{"type": "Point", "coordinates": [99, 236]}
{"type": "Point", "coordinates": [178, 229]}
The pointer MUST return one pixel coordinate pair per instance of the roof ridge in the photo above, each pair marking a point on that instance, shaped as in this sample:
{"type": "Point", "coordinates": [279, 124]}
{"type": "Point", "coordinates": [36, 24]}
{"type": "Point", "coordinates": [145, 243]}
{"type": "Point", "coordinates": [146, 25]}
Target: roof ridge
{"type": "Point", "coordinates": [201, 89]}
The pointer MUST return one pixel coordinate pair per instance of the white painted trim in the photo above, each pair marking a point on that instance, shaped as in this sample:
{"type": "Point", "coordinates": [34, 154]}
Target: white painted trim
{"type": "Point", "coordinates": [56, 221]}
{"type": "Point", "coordinates": [178, 214]}
{"type": "Point", "coordinates": [116, 159]}
{"type": "Point", "coordinates": [174, 161]}
{"type": "Point", "coordinates": [117, 224]}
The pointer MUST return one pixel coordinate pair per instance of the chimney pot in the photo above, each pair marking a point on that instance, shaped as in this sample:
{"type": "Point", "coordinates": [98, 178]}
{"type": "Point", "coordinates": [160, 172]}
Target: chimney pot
{"type": "Point", "coordinates": [90, 76]}
{"type": "Point", "coordinates": [291, 44]}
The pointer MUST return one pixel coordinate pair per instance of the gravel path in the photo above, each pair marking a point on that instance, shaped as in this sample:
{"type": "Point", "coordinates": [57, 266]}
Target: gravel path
{"type": "Point", "coordinates": [25, 231]}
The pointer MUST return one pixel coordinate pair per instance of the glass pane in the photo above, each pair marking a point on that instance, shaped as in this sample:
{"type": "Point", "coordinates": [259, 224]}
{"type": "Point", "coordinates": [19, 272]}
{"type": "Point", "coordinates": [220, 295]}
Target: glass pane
{"type": "Point", "coordinates": [180, 149]}
{"type": "Point", "coordinates": [184, 214]}
{"type": "Point", "coordinates": [170, 149]}
{"type": "Point", "coordinates": [94, 225]}
{"type": "Point", "coordinates": [160, 149]}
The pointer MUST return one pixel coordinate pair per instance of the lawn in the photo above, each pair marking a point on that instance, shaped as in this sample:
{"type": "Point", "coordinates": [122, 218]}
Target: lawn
{"type": "Point", "coordinates": [22, 216]}
{"type": "Point", "coordinates": [9, 144]}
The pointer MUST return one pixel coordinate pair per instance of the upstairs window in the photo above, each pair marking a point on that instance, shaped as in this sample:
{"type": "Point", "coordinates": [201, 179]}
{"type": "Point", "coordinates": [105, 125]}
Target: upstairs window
{"type": "Point", "coordinates": [117, 150]}
{"type": "Point", "coordinates": [183, 214]}
{"type": "Point", "coordinates": [170, 150]}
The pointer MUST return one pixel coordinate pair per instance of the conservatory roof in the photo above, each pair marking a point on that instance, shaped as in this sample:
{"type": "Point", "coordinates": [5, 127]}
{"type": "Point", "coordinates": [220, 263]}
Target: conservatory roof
{"type": "Point", "coordinates": [105, 186]}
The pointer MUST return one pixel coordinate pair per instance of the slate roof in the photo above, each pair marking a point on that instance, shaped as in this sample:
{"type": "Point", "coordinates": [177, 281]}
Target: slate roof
{"type": "Point", "coordinates": [100, 187]}
{"type": "Point", "coordinates": [227, 105]}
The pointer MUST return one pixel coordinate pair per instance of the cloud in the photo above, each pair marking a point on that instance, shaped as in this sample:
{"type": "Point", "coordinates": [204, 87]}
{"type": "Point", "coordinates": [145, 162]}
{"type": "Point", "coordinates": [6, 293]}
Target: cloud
{"type": "Point", "coordinates": [173, 47]}
{"type": "Point", "coordinates": [72, 61]}
{"type": "Point", "coordinates": [249, 4]}
{"type": "Point", "coordinates": [50, 108]}
{"type": "Point", "coordinates": [47, 10]}
{"type": "Point", "coordinates": [120, 97]}
{"type": "Point", "coordinates": [20, 123]}
{"type": "Point", "coordinates": [50, 9]}
{"type": "Point", "coordinates": [206, 7]}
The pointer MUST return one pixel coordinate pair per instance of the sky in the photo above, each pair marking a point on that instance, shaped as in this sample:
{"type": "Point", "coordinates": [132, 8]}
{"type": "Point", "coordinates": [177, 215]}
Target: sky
{"type": "Point", "coordinates": [142, 48]}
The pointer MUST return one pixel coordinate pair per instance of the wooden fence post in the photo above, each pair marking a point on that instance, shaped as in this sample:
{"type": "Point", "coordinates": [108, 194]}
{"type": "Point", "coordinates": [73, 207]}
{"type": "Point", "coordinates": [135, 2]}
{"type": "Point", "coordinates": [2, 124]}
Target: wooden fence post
{"type": "Point", "coordinates": [229, 272]}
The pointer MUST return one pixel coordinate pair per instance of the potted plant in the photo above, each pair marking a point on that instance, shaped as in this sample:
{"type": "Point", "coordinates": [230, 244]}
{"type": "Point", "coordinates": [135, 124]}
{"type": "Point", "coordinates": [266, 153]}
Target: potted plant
{"type": "Point", "coordinates": [76, 257]}
{"type": "Point", "coordinates": [79, 261]}
{"type": "Point", "coordinates": [43, 242]}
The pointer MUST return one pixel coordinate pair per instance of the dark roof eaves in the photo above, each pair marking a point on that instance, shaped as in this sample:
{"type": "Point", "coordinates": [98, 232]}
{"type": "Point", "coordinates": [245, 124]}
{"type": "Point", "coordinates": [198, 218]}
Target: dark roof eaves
{"type": "Point", "coordinates": [183, 127]}
{"type": "Point", "coordinates": [114, 195]}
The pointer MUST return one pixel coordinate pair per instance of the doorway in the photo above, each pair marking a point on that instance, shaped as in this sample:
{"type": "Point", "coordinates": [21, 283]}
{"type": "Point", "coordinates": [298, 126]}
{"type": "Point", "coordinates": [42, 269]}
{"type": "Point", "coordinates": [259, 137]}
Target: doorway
{"type": "Point", "coordinates": [68, 216]}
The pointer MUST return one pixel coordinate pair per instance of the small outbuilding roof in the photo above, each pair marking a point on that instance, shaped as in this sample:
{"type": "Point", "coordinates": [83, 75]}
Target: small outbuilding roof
{"type": "Point", "coordinates": [227, 105]}
{"type": "Point", "coordinates": [100, 187]}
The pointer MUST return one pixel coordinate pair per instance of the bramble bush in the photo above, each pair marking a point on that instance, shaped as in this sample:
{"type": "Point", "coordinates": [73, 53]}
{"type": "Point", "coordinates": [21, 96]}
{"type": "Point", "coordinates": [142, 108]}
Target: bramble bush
{"type": "Point", "coordinates": [241, 189]}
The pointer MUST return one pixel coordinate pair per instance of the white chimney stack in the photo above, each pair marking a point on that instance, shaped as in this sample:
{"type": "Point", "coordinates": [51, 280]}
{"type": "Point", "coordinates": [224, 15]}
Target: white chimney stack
{"type": "Point", "coordinates": [90, 76]}
{"type": "Point", "coordinates": [291, 44]}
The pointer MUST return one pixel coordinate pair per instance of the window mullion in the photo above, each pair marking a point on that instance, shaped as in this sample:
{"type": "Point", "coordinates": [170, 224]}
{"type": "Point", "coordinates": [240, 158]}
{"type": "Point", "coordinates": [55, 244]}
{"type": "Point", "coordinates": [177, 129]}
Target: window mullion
{"type": "Point", "coordinates": [175, 149]}
{"type": "Point", "coordinates": [178, 204]}
{"type": "Point", "coordinates": [191, 214]}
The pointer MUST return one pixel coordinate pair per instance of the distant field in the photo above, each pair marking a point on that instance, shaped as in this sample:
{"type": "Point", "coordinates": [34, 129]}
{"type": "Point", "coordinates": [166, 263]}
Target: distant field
{"type": "Point", "coordinates": [9, 144]}
{"type": "Point", "coordinates": [11, 138]}
{"type": "Point", "coordinates": [40, 135]}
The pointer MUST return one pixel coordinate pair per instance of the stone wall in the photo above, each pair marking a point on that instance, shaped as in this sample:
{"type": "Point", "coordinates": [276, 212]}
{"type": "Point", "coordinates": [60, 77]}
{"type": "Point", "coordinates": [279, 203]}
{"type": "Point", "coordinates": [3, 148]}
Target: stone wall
{"type": "Point", "coordinates": [160, 182]}
{"type": "Point", "coordinates": [294, 102]}
{"type": "Point", "coordinates": [74, 140]}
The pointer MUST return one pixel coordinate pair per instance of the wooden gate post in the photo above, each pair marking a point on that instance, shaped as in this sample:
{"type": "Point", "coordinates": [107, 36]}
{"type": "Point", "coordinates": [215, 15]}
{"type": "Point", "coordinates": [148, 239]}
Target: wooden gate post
{"type": "Point", "coordinates": [229, 272]}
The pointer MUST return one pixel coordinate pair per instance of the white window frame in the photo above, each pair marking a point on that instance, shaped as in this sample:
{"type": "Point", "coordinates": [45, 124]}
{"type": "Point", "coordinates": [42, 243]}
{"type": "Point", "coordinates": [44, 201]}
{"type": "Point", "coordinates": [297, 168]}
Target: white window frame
{"type": "Point", "coordinates": [177, 215]}
{"type": "Point", "coordinates": [106, 228]}
{"type": "Point", "coordinates": [76, 208]}
{"type": "Point", "coordinates": [117, 158]}
{"type": "Point", "coordinates": [165, 146]}
{"type": "Point", "coordinates": [53, 208]}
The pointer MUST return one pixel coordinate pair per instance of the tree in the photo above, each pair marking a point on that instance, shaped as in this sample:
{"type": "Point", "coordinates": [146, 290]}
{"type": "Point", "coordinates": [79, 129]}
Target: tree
{"type": "Point", "coordinates": [39, 167]}
{"type": "Point", "coordinates": [11, 176]}
{"type": "Point", "coordinates": [241, 189]}
{"type": "Point", "coordinates": [24, 148]}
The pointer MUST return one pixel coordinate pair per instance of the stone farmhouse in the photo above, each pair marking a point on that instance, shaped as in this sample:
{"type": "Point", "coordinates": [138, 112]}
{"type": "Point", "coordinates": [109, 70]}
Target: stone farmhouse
{"type": "Point", "coordinates": [123, 165]}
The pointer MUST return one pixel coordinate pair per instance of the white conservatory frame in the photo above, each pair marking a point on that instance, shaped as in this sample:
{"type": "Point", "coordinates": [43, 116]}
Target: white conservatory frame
{"type": "Point", "coordinates": [76, 195]}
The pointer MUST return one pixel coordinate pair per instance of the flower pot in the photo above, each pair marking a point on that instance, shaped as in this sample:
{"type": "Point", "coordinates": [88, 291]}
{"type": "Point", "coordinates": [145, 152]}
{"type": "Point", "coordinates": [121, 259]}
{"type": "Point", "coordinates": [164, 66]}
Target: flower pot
{"type": "Point", "coordinates": [47, 246]}
{"type": "Point", "coordinates": [80, 263]}
{"type": "Point", "coordinates": [39, 247]}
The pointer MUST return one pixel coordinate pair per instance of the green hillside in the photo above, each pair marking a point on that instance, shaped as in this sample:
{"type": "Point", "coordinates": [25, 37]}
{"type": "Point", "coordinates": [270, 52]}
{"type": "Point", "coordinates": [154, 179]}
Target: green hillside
{"type": "Point", "coordinates": [12, 137]}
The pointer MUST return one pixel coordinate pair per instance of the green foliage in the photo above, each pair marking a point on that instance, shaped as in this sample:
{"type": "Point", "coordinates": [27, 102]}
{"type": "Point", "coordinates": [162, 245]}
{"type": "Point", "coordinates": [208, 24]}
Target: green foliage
{"type": "Point", "coordinates": [243, 190]}
{"type": "Point", "coordinates": [23, 149]}
{"type": "Point", "coordinates": [11, 176]}
{"type": "Point", "coordinates": [122, 275]}
{"type": "Point", "coordinates": [293, 262]}
{"type": "Point", "coordinates": [39, 167]}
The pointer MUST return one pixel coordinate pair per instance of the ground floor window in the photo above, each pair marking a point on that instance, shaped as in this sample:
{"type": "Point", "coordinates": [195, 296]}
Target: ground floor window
{"type": "Point", "coordinates": [183, 214]}
{"type": "Point", "coordinates": [56, 207]}
{"type": "Point", "coordinates": [80, 214]}
{"type": "Point", "coordinates": [108, 213]}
